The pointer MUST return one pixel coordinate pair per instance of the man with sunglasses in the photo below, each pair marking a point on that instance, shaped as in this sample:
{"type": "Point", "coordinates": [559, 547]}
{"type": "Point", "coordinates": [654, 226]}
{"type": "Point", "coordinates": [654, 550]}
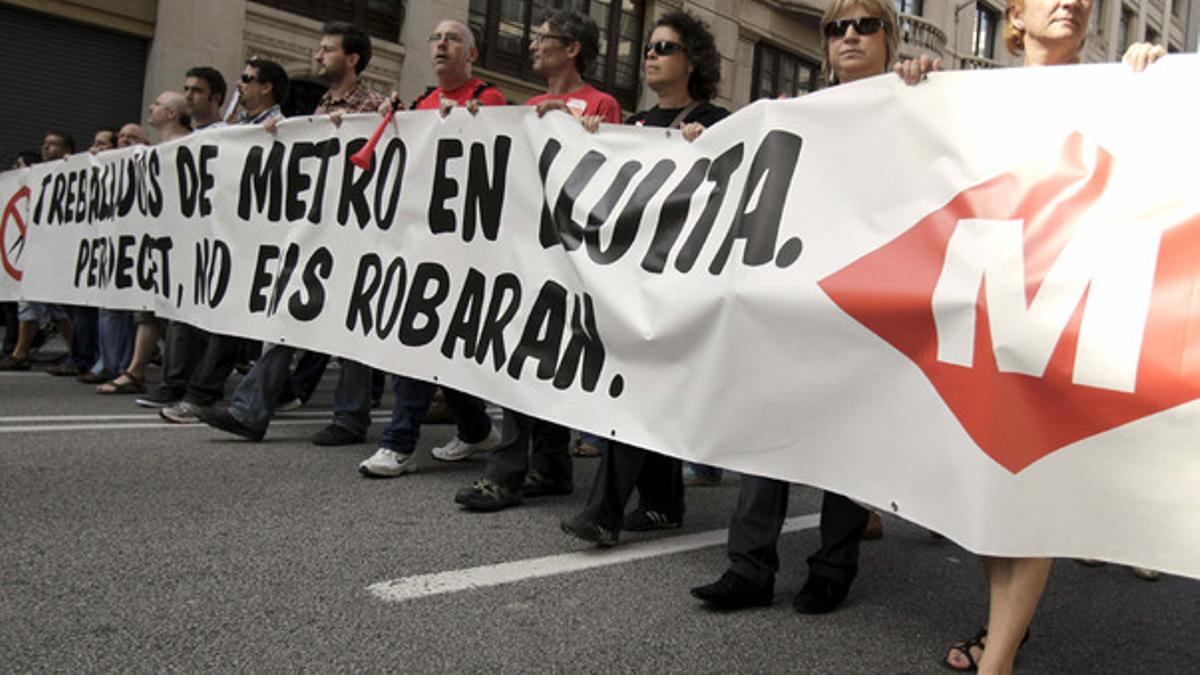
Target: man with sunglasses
{"type": "Point", "coordinates": [262, 87]}
{"type": "Point", "coordinates": [860, 40]}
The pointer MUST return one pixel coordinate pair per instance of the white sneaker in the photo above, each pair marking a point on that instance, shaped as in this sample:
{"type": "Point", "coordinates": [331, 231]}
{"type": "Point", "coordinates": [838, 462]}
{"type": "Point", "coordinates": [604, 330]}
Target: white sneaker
{"type": "Point", "coordinates": [387, 463]}
{"type": "Point", "coordinates": [458, 449]}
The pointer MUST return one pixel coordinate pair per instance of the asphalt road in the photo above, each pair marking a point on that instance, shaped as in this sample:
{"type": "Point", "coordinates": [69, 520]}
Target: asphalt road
{"type": "Point", "coordinates": [131, 545]}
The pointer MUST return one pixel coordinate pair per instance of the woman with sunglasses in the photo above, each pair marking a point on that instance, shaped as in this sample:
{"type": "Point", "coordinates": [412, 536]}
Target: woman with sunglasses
{"type": "Point", "coordinates": [860, 40]}
{"type": "Point", "coordinates": [1048, 33]}
{"type": "Point", "coordinates": [683, 67]}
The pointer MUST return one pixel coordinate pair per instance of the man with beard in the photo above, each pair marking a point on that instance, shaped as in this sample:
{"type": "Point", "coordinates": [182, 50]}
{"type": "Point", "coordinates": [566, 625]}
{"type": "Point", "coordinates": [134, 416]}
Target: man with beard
{"type": "Point", "coordinates": [343, 54]}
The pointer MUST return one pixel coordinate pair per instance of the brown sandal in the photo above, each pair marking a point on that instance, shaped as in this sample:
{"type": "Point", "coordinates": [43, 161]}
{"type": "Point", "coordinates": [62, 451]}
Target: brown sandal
{"type": "Point", "coordinates": [132, 385]}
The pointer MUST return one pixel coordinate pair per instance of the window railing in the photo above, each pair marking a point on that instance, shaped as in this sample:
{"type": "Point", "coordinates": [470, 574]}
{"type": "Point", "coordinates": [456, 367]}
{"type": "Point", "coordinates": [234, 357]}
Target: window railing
{"type": "Point", "coordinates": [922, 36]}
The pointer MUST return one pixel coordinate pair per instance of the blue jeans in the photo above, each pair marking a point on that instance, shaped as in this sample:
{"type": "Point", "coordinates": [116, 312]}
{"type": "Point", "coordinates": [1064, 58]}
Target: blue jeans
{"type": "Point", "coordinates": [117, 331]}
{"type": "Point", "coordinates": [412, 402]}
{"type": "Point", "coordinates": [254, 400]}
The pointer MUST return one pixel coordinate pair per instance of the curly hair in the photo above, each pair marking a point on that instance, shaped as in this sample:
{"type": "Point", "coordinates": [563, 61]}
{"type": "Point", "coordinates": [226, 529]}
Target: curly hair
{"type": "Point", "coordinates": [701, 49]}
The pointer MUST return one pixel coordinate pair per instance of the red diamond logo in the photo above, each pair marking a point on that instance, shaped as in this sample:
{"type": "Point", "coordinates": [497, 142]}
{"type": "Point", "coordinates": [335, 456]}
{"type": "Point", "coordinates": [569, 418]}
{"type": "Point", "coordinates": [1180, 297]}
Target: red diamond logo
{"type": "Point", "coordinates": [1046, 305]}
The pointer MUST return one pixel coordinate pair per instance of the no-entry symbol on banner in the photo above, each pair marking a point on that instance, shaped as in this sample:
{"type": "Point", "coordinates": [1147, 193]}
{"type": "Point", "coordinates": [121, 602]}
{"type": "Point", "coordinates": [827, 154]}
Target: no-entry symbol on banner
{"type": "Point", "coordinates": [12, 234]}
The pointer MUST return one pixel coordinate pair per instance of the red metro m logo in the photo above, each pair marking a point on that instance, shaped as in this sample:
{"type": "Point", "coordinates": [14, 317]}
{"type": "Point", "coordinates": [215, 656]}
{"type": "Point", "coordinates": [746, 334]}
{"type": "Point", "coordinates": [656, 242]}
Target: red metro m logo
{"type": "Point", "coordinates": [1046, 305]}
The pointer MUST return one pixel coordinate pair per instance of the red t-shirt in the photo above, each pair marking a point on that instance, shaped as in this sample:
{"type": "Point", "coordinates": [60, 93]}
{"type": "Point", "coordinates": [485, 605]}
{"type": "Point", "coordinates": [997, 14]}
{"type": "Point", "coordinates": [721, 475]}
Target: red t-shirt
{"type": "Point", "coordinates": [488, 96]}
{"type": "Point", "coordinates": [587, 100]}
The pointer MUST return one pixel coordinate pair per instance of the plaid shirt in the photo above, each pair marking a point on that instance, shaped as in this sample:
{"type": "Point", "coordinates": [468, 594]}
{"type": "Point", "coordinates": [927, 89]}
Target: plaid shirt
{"type": "Point", "coordinates": [360, 99]}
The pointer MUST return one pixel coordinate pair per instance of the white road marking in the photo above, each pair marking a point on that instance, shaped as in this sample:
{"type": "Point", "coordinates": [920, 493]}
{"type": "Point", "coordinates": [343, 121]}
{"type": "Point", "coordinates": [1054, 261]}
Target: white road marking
{"type": "Point", "coordinates": [471, 578]}
{"type": "Point", "coordinates": [11, 425]}
{"type": "Point", "coordinates": [146, 416]}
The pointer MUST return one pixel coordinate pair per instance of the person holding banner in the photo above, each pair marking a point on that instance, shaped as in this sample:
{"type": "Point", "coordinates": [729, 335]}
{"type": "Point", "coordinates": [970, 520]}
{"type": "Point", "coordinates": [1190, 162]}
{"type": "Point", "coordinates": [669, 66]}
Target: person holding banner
{"type": "Point", "coordinates": [683, 68]}
{"type": "Point", "coordinates": [860, 40]}
{"type": "Point", "coordinates": [30, 315]}
{"type": "Point", "coordinates": [343, 54]}
{"type": "Point", "coordinates": [204, 91]}
{"type": "Point", "coordinates": [116, 327]}
{"type": "Point", "coordinates": [452, 52]}
{"type": "Point", "coordinates": [536, 461]}
{"type": "Point", "coordinates": [1048, 33]}
{"type": "Point", "coordinates": [262, 87]}
{"type": "Point", "coordinates": [168, 115]}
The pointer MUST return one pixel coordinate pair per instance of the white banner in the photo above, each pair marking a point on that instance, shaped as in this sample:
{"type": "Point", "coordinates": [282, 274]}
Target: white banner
{"type": "Point", "coordinates": [971, 303]}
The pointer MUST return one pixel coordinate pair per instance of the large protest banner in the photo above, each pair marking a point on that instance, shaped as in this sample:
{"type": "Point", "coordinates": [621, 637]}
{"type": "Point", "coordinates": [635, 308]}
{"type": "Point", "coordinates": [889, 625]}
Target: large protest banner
{"type": "Point", "coordinates": [971, 303]}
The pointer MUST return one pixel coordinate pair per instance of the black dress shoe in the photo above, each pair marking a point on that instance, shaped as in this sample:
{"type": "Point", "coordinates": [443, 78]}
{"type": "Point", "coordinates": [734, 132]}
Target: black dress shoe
{"type": "Point", "coordinates": [734, 591]}
{"type": "Point", "coordinates": [820, 596]}
{"type": "Point", "coordinates": [335, 435]}
{"type": "Point", "coordinates": [219, 417]}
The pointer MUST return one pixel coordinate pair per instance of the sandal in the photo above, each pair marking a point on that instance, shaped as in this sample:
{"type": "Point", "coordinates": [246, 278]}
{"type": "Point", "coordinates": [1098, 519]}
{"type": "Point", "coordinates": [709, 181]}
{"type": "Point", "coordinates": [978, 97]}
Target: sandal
{"type": "Point", "coordinates": [132, 385]}
{"type": "Point", "coordinates": [965, 649]}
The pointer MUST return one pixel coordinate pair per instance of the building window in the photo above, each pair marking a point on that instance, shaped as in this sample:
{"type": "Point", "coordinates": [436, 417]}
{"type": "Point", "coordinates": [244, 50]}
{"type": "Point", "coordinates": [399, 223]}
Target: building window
{"type": "Point", "coordinates": [1152, 36]}
{"type": "Point", "coordinates": [1098, 19]}
{"type": "Point", "coordinates": [1125, 31]}
{"type": "Point", "coordinates": [781, 73]}
{"type": "Point", "coordinates": [381, 18]}
{"type": "Point", "coordinates": [912, 7]}
{"type": "Point", "coordinates": [983, 41]}
{"type": "Point", "coordinates": [503, 27]}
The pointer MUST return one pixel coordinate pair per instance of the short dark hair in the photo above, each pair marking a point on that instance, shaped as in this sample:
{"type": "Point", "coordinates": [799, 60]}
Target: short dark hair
{"type": "Point", "coordinates": [273, 74]}
{"type": "Point", "coordinates": [68, 142]}
{"type": "Point", "coordinates": [216, 83]}
{"type": "Point", "coordinates": [701, 49]}
{"type": "Point", "coordinates": [579, 27]}
{"type": "Point", "coordinates": [354, 41]}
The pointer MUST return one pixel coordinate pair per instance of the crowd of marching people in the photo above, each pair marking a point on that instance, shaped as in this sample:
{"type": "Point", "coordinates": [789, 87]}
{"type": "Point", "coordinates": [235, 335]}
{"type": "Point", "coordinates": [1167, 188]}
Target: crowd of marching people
{"type": "Point", "coordinates": [527, 457]}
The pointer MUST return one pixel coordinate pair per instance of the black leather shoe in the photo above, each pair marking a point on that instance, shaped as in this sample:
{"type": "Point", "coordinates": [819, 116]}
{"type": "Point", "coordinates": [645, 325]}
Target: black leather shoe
{"type": "Point", "coordinates": [335, 435]}
{"type": "Point", "coordinates": [820, 596]}
{"type": "Point", "coordinates": [219, 417]}
{"type": "Point", "coordinates": [734, 591]}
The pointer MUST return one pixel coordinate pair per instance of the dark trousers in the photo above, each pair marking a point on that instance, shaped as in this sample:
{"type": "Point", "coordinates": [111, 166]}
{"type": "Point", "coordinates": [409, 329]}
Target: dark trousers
{"type": "Point", "coordinates": [412, 402]}
{"type": "Point", "coordinates": [85, 336]}
{"type": "Point", "coordinates": [307, 374]}
{"type": "Point", "coordinates": [206, 385]}
{"type": "Point", "coordinates": [8, 316]}
{"type": "Point", "coordinates": [185, 346]}
{"type": "Point", "coordinates": [536, 444]}
{"type": "Point", "coordinates": [657, 478]}
{"type": "Point", "coordinates": [758, 518]}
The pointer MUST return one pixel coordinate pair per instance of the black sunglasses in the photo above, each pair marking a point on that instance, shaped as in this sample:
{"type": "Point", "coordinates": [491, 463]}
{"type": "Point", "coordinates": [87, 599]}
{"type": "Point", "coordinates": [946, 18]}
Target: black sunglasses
{"type": "Point", "coordinates": [247, 79]}
{"type": "Point", "coordinates": [863, 25]}
{"type": "Point", "coordinates": [663, 47]}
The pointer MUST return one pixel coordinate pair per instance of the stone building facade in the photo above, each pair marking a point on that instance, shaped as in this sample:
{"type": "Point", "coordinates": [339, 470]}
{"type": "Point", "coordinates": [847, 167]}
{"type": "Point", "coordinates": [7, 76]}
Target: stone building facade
{"type": "Point", "coordinates": [768, 47]}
